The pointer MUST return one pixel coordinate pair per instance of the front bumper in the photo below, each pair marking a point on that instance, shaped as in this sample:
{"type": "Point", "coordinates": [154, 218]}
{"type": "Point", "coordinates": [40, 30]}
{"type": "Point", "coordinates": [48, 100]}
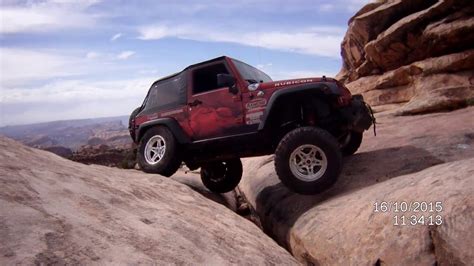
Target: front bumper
{"type": "Point", "coordinates": [358, 114]}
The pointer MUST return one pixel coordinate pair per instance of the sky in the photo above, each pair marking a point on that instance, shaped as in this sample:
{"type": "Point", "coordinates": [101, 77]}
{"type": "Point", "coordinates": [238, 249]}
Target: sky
{"type": "Point", "coordinates": [71, 59]}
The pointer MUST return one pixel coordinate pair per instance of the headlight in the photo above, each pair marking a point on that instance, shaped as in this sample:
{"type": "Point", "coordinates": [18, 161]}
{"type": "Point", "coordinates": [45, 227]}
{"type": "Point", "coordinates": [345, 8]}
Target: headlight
{"type": "Point", "coordinates": [253, 86]}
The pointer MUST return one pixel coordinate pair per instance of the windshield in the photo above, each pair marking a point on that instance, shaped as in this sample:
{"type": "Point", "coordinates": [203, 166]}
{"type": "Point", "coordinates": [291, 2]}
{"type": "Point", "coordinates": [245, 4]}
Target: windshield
{"type": "Point", "coordinates": [250, 73]}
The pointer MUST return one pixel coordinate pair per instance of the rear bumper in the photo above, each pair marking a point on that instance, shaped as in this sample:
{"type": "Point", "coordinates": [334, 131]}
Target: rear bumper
{"type": "Point", "coordinates": [358, 114]}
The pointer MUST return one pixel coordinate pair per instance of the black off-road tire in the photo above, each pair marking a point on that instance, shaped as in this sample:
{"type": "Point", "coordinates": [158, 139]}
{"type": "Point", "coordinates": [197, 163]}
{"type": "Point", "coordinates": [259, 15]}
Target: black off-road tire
{"type": "Point", "coordinates": [221, 177]}
{"type": "Point", "coordinates": [308, 136]}
{"type": "Point", "coordinates": [171, 160]}
{"type": "Point", "coordinates": [353, 144]}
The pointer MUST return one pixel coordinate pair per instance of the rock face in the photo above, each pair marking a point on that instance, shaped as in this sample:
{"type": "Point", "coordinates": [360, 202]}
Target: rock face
{"type": "Point", "coordinates": [55, 211]}
{"type": "Point", "coordinates": [414, 53]}
{"type": "Point", "coordinates": [425, 158]}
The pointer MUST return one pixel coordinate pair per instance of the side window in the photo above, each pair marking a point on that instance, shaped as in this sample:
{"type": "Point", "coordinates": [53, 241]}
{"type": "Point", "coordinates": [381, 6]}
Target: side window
{"type": "Point", "coordinates": [205, 78]}
{"type": "Point", "coordinates": [152, 99]}
{"type": "Point", "coordinates": [167, 93]}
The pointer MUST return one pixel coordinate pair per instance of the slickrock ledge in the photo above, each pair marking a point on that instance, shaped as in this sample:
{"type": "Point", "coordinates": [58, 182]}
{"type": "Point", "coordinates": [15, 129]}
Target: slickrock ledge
{"type": "Point", "coordinates": [55, 211]}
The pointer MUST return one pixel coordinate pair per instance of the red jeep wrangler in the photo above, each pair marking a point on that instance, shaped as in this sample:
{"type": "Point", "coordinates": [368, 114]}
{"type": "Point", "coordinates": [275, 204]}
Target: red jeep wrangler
{"type": "Point", "coordinates": [213, 113]}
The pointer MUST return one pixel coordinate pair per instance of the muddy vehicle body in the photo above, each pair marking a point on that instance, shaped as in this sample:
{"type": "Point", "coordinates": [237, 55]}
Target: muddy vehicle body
{"type": "Point", "coordinates": [214, 113]}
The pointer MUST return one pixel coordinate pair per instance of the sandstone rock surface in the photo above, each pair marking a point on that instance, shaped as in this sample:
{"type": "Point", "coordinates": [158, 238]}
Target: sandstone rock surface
{"type": "Point", "coordinates": [416, 158]}
{"type": "Point", "coordinates": [55, 211]}
{"type": "Point", "coordinates": [415, 53]}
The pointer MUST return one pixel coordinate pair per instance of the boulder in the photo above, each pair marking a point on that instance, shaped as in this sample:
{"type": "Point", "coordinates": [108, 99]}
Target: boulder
{"type": "Point", "coordinates": [428, 159]}
{"type": "Point", "coordinates": [349, 230]}
{"type": "Point", "coordinates": [55, 211]}
{"type": "Point", "coordinates": [434, 84]}
{"type": "Point", "coordinates": [398, 51]}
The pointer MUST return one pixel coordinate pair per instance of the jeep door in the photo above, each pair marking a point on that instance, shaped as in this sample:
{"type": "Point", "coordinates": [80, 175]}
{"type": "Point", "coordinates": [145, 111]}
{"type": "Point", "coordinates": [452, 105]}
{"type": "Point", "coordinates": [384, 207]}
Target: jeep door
{"type": "Point", "coordinates": [213, 110]}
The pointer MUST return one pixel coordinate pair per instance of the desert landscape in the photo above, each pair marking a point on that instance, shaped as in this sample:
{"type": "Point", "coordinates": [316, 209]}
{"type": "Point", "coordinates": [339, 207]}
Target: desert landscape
{"type": "Point", "coordinates": [413, 61]}
{"type": "Point", "coordinates": [104, 141]}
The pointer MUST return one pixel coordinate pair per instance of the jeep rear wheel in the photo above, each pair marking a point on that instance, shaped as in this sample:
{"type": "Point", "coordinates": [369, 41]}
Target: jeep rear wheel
{"type": "Point", "coordinates": [308, 160]}
{"type": "Point", "coordinates": [158, 152]}
{"type": "Point", "coordinates": [221, 177]}
{"type": "Point", "coordinates": [351, 143]}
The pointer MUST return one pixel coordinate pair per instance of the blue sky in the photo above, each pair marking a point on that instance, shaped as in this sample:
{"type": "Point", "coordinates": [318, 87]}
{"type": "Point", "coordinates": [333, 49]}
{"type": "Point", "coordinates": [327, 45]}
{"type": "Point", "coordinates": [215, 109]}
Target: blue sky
{"type": "Point", "coordinates": [66, 59]}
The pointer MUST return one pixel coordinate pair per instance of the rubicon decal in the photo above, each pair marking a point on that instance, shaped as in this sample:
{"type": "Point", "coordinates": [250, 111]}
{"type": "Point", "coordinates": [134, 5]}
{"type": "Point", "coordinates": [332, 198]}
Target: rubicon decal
{"type": "Point", "coordinates": [292, 82]}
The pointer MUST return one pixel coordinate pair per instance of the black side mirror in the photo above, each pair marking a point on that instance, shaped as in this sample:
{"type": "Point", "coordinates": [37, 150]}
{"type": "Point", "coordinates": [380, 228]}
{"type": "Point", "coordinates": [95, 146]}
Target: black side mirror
{"type": "Point", "coordinates": [233, 89]}
{"type": "Point", "coordinates": [227, 80]}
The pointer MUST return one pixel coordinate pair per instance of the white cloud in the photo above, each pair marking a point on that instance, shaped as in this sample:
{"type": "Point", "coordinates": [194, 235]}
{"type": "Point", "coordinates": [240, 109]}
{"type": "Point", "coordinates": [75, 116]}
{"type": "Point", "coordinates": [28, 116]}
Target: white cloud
{"type": "Point", "coordinates": [92, 55]}
{"type": "Point", "coordinates": [46, 16]}
{"type": "Point", "coordinates": [116, 36]}
{"type": "Point", "coordinates": [22, 66]}
{"type": "Point", "coordinates": [321, 41]}
{"type": "Point", "coordinates": [314, 43]}
{"type": "Point", "coordinates": [348, 6]}
{"type": "Point", "coordinates": [125, 55]}
{"type": "Point", "coordinates": [264, 66]}
{"type": "Point", "coordinates": [353, 6]}
{"type": "Point", "coordinates": [74, 91]}
{"type": "Point", "coordinates": [327, 7]}
{"type": "Point", "coordinates": [47, 85]}
{"type": "Point", "coordinates": [306, 74]}
{"type": "Point", "coordinates": [282, 74]}
{"type": "Point", "coordinates": [148, 71]}
{"type": "Point", "coordinates": [70, 99]}
{"type": "Point", "coordinates": [159, 32]}
{"type": "Point", "coordinates": [295, 74]}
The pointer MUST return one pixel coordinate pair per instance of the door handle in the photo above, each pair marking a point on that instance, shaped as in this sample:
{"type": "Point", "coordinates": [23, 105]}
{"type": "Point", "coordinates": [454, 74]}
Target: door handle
{"type": "Point", "coordinates": [195, 103]}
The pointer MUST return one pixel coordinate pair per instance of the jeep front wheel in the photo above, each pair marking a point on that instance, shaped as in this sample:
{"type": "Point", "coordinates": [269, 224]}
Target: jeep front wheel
{"type": "Point", "coordinates": [158, 152]}
{"type": "Point", "coordinates": [221, 177]}
{"type": "Point", "coordinates": [308, 160]}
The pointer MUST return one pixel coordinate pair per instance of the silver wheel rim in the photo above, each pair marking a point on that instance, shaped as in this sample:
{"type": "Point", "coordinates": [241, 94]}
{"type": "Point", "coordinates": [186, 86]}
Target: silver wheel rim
{"type": "Point", "coordinates": [308, 163]}
{"type": "Point", "coordinates": [155, 149]}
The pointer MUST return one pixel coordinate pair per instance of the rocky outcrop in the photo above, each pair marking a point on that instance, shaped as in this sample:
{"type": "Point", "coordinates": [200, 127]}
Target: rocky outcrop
{"type": "Point", "coordinates": [345, 229]}
{"type": "Point", "coordinates": [55, 211]}
{"type": "Point", "coordinates": [106, 155]}
{"type": "Point", "coordinates": [415, 54]}
{"type": "Point", "coordinates": [426, 158]}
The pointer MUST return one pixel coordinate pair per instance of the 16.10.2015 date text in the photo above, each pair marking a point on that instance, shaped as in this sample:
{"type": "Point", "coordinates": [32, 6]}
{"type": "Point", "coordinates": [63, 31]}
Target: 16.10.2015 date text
{"type": "Point", "coordinates": [411, 212]}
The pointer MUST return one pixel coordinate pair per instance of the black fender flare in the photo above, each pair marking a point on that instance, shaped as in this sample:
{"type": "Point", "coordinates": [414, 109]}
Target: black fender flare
{"type": "Point", "coordinates": [171, 123]}
{"type": "Point", "coordinates": [321, 88]}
